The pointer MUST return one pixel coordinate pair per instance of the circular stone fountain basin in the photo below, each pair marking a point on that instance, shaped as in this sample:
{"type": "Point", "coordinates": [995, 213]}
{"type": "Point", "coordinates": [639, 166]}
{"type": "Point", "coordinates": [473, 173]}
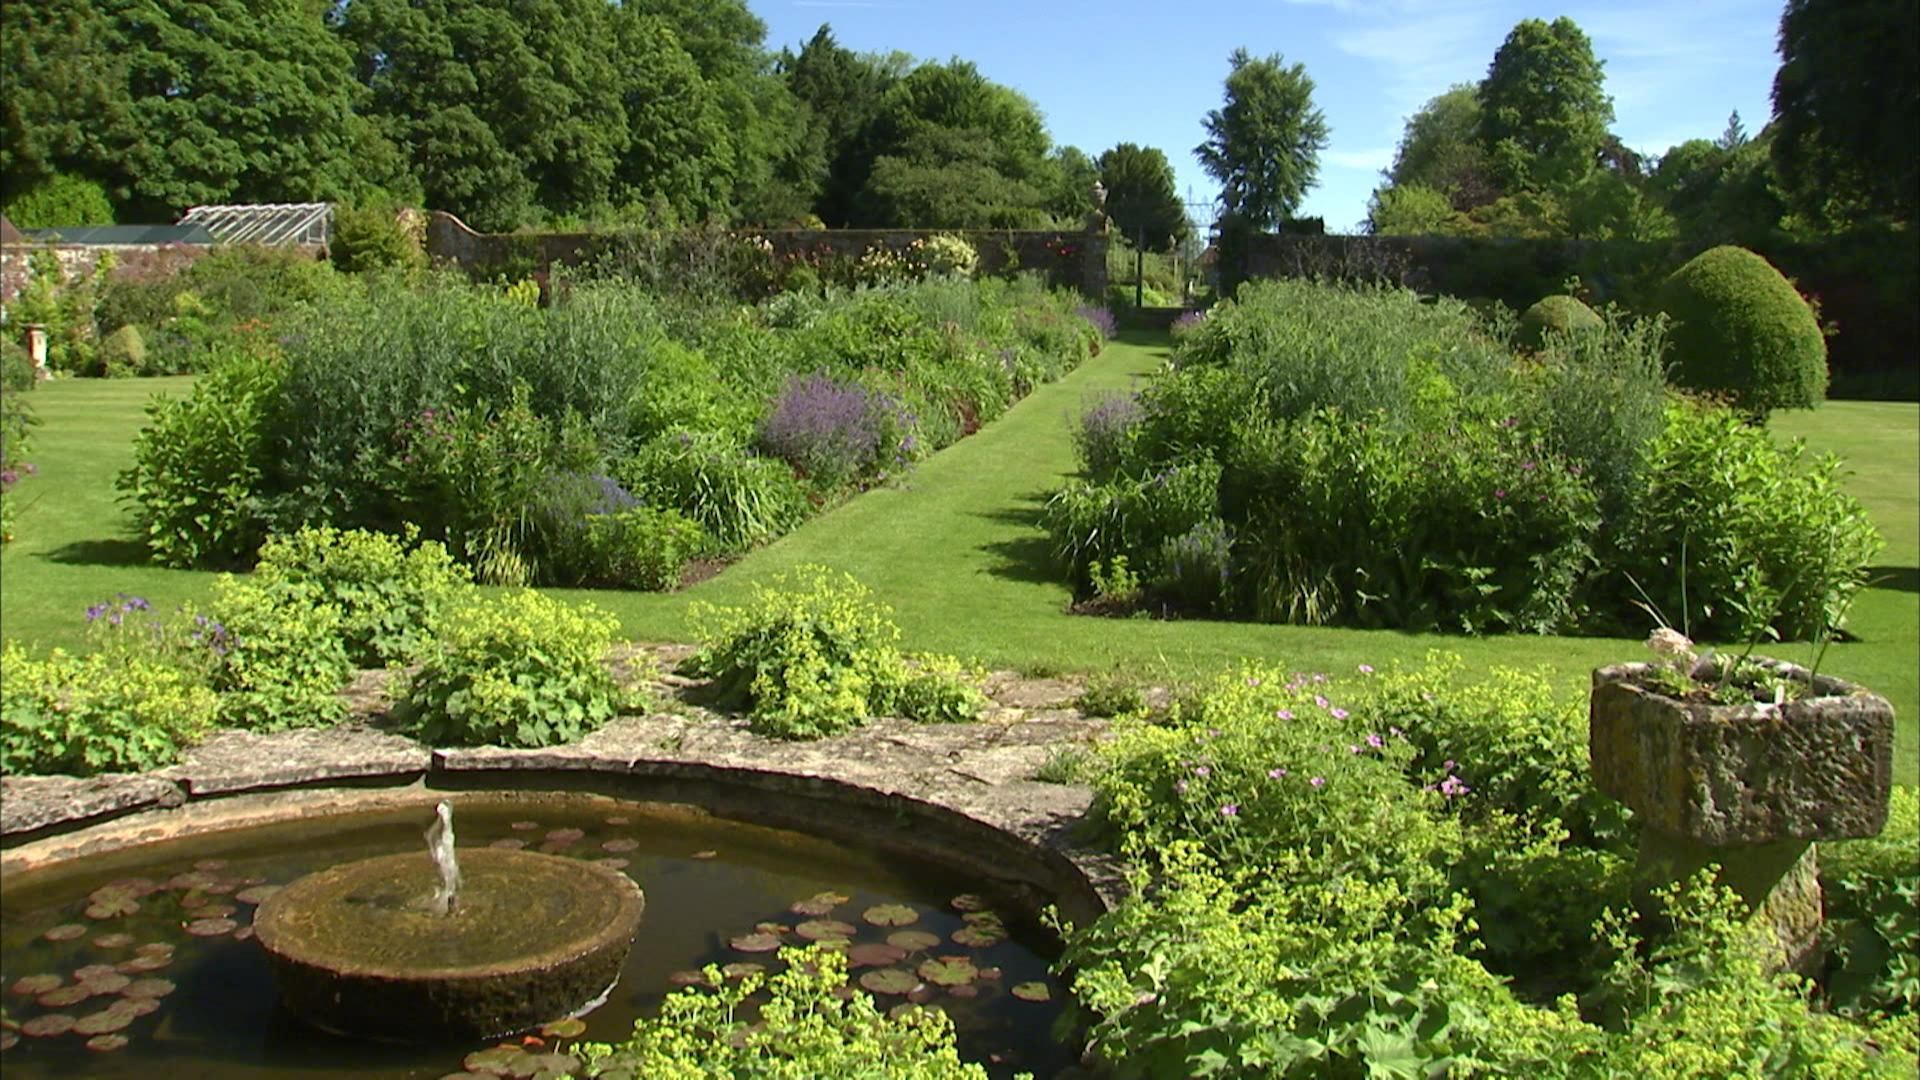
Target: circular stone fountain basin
{"type": "Point", "coordinates": [533, 938]}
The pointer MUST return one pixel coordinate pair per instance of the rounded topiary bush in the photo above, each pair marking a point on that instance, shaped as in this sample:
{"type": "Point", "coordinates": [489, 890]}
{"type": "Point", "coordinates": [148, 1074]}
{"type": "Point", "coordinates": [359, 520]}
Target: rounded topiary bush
{"type": "Point", "coordinates": [1742, 332]}
{"type": "Point", "coordinates": [1556, 313]}
{"type": "Point", "coordinates": [123, 352]}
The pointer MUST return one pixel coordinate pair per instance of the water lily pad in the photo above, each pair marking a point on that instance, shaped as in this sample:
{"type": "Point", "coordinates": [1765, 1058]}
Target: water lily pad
{"type": "Point", "coordinates": [982, 918]}
{"type": "Point", "coordinates": [65, 996]}
{"type": "Point", "coordinates": [9, 1040]}
{"type": "Point", "coordinates": [889, 981]}
{"type": "Point", "coordinates": [618, 820]}
{"type": "Point", "coordinates": [978, 937]}
{"type": "Point", "coordinates": [211, 927]}
{"type": "Point", "coordinates": [136, 1006]}
{"type": "Point", "coordinates": [890, 915]}
{"type": "Point", "coordinates": [688, 978]}
{"type": "Point", "coordinates": [772, 927]}
{"type": "Point", "coordinates": [913, 940]}
{"type": "Point", "coordinates": [874, 954]}
{"type": "Point", "coordinates": [141, 965]}
{"type": "Point", "coordinates": [524, 826]}
{"type": "Point", "coordinates": [47, 1026]}
{"type": "Point", "coordinates": [740, 969]}
{"type": "Point", "coordinates": [148, 988]}
{"type": "Point", "coordinates": [195, 898]}
{"type": "Point", "coordinates": [245, 933]}
{"type": "Point", "coordinates": [612, 863]}
{"type": "Point", "coordinates": [101, 1023]}
{"type": "Point", "coordinates": [216, 911]}
{"type": "Point", "coordinates": [566, 836]}
{"type": "Point", "coordinates": [965, 990]}
{"type": "Point", "coordinates": [755, 942]}
{"type": "Point", "coordinates": [113, 941]}
{"type": "Point", "coordinates": [967, 901]}
{"type": "Point", "coordinates": [833, 944]}
{"type": "Point", "coordinates": [113, 907]}
{"type": "Point", "coordinates": [555, 1064]}
{"type": "Point", "coordinates": [947, 971]}
{"type": "Point", "coordinates": [820, 903]}
{"type": "Point", "coordinates": [221, 887]}
{"type": "Point", "coordinates": [815, 929]}
{"type": "Point", "coordinates": [620, 845]}
{"type": "Point", "coordinates": [196, 879]}
{"type": "Point", "coordinates": [570, 1028]}
{"type": "Point", "coordinates": [66, 932]}
{"type": "Point", "coordinates": [35, 985]}
{"type": "Point", "coordinates": [92, 971]}
{"type": "Point", "coordinates": [106, 1044]}
{"type": "Point", "coordinates": [510, 843]}
{"type": "Point", "coordinates": [989, 974]}
{"type": "Point", "coordinates": [707, 854]}
{"type": "Point", "coordinates": [155, 948]}
{"type": "Point", "coordinates": [111, 983]}
{"type": "Point", "coordinates": [254, 894]}
{"type": "Point", "coordinates": [1033, 991]}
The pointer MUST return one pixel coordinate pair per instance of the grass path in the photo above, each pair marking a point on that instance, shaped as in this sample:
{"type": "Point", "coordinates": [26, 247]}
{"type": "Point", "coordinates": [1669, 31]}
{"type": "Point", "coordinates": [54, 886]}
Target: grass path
{"type": "Point", "coordinates": [955, 551]}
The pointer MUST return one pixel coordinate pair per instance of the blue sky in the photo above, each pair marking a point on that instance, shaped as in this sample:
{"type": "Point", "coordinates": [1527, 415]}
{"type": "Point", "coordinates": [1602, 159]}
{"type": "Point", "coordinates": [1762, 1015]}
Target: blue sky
{"type": "Point", "coordinates": [1133, 71]}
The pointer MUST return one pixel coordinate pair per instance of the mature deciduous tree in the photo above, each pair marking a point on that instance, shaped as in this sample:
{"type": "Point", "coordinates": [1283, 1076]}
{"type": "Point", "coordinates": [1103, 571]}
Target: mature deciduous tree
{"type": "Point", "coordinates": [1543, 111]}
{"type": "Point", "coordinates": [1441, 150]}
{"type": "Point", "coordinates": [1264, 143]}
{"type": "Point", "coordinates": [1846, 107]}
{"type": "Point", "coordinates": [1141, 200]}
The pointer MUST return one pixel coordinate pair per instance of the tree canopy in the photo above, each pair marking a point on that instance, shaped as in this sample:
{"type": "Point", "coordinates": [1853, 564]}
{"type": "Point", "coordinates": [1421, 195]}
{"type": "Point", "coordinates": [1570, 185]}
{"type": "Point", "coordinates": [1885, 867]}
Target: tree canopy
{"type": "Point", "coordinates": [1263, 144]}
{"type": "Point", "coordinates": [1543, 112]}
{"type": "Point", "coordinates": [1141, 198]}
{"type": "Point", "coordinates": [1846, 107]}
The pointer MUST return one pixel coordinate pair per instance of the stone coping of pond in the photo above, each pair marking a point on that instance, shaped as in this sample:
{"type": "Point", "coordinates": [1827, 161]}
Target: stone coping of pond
{"type": "Point", "coordinates": [972, 782]}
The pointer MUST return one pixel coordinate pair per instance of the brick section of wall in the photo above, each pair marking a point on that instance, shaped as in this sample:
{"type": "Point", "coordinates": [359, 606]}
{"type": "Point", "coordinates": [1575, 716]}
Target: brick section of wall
{"type": "Point", "coordinates": [1075, 258]}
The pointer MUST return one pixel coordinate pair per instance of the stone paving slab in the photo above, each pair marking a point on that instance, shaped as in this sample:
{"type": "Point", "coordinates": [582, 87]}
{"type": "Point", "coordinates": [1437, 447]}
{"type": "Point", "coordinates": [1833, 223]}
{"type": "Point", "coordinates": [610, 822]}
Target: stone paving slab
{"type": "Point", "coordinates": [231, 762]}
{"type": "Point", "coordinates": [31, 803]}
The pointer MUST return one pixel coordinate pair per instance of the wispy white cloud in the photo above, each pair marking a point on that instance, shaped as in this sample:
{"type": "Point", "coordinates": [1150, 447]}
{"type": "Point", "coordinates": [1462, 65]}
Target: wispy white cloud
{"type": "Point", "coordinates": [1371, 160]}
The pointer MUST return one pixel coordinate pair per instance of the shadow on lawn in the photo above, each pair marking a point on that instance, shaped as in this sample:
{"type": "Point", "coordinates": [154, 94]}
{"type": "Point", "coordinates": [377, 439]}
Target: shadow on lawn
{"type": "Point", "coordinates": [101, 553]}
{"type": "Point", "coordinates": [1026, 558]}
{"type": "Point", "coordinates": [1896, 578]}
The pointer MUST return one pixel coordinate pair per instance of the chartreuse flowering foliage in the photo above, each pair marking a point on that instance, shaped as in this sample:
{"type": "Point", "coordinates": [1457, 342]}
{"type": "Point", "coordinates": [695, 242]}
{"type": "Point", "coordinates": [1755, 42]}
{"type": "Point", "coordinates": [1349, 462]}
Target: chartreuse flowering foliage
{"type": "Point", "coordinates": [810, 1028]}
{"type": "Point", "coordinates": [1325, 871]}
{"type": "Point", "coordinates": [814, 654]}
{"type": "Point", "coordinates": [96, 713]}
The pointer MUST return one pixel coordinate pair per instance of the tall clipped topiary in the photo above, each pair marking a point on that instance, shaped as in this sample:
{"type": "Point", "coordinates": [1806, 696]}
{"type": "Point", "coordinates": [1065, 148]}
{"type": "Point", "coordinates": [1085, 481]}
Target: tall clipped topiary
{"type": "Point", "coordinates": [1741, 331]}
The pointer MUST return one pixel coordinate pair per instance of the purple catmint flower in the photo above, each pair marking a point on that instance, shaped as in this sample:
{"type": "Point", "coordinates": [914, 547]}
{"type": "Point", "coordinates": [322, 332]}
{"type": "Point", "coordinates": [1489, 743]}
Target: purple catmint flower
{"type": "Point", "coordinates": [1276, 774]}
{"type": "Point", "coordinates": [1318, 781]}
{"type": "Point", "coordinates": [1100, 317]}
{"type": "Point", "coordinates": [832, 431]}
{"type": "Point", "coordinates": [1188, 321]}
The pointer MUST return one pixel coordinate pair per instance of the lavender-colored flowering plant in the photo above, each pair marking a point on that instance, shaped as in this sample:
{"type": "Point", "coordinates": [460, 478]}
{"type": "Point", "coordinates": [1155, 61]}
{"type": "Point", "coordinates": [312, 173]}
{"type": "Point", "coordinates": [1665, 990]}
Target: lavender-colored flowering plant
{"type": "Point", "coordinates": [838, 433]}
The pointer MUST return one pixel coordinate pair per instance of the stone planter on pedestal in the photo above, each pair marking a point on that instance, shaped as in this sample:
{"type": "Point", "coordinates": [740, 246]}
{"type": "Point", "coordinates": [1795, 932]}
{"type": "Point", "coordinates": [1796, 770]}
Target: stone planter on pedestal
{"type": "Point", "coordinates": [1749, 787]}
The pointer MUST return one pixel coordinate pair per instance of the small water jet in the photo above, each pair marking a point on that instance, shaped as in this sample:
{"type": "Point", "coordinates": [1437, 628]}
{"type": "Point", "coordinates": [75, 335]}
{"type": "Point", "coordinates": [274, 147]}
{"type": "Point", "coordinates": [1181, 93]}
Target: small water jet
{"type": "Point", "coordinates": [403, 948]}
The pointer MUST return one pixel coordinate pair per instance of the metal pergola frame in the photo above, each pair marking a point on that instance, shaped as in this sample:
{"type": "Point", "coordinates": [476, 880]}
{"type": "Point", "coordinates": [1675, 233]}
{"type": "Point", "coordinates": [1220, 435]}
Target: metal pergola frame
{"type": "Point", "coordinates": [271, 224]}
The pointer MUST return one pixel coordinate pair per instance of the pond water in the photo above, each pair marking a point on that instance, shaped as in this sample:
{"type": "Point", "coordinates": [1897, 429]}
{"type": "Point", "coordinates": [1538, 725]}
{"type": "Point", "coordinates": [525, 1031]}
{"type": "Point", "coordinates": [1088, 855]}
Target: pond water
{"type": "Point", "coordinates": [153, 945]}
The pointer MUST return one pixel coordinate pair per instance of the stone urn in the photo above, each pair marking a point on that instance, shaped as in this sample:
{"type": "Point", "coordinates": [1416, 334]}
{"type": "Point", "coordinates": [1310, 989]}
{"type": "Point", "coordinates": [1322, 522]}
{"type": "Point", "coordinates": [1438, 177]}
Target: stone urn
{"type": "Point", "coordinates": [1749, 786]}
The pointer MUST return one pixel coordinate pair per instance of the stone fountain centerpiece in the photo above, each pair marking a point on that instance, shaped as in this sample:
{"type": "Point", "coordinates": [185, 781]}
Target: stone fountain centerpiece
{"type": "Point", "coordinates": [1749, 786]}
{"type": "Point", "coordinates": [422, 948]}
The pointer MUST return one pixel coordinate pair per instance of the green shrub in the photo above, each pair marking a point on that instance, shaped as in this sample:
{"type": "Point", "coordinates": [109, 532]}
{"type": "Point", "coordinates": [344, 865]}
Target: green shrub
{"type": "Point", "coordinates": [813, 1025]}
{"type": "Point", "coordinates": [90, 714]}
{"type": "Point", "coordinates": [122, 353]}
{"type": "Point", "coordinates": [642, 548]}
{"type": "Point", "coordinates": [1131, 517]}
{"type": "Point", "coordinates": [194, 483]}
{"type": "Point", "coordinates": [1872, 892]}
{"type": "Point", "coordinates": [279, 660]}
{"type": "Point", "coordinates": [739, 499]}
{"type": "Point", "coordinates": [814, 654]}
{"type": "Point", "coordinates": [521, 670]}
{"type": "Point", "coordinates": [61, 200]}
{"type": "Point", "coordinates": [1734, 534]}
{"type": "Point", "coordinates": [374, 238]}
{"type": "Point", "coordinates": [1742, 332]}
{"type": "Point", "coordinates": [1556, 315]}
{"type": "Point", "coordinates": [1111, 693]}
{"type": "Point", "coordinates": [390, 592]}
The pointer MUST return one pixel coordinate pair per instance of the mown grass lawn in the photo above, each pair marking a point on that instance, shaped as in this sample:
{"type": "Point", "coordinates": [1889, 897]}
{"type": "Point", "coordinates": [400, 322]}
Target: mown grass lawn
{"type": "Point", "coordinates": [955, 551]}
